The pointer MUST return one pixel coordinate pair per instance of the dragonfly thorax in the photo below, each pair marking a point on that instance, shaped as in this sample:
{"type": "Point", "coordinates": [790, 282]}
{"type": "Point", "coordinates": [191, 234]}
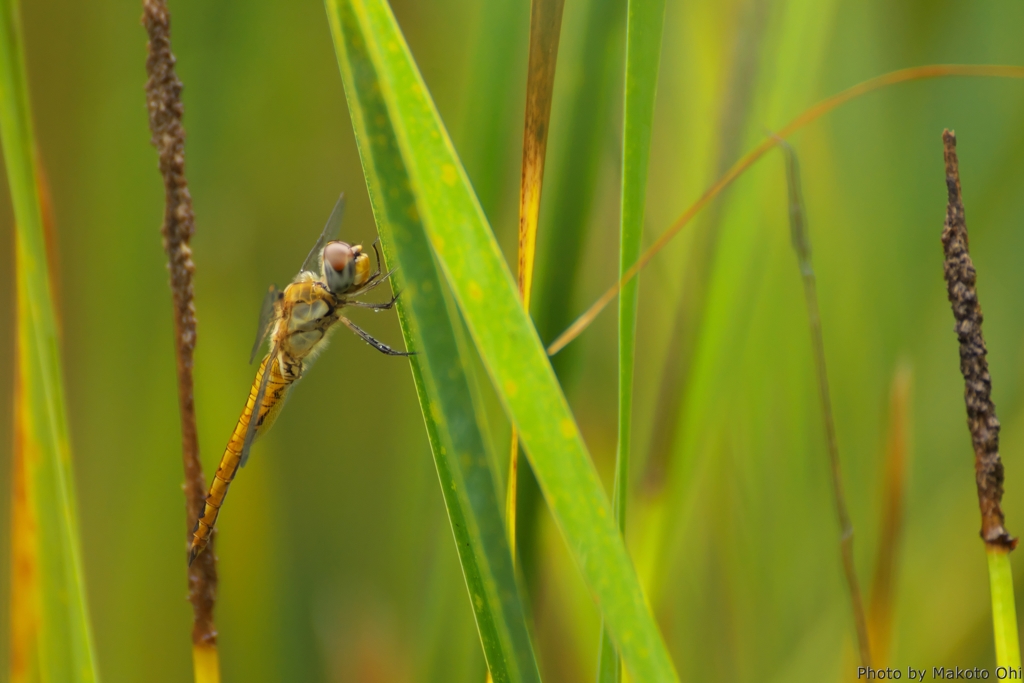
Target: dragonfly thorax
{"type": "Point", "coordinates": [308, 314]}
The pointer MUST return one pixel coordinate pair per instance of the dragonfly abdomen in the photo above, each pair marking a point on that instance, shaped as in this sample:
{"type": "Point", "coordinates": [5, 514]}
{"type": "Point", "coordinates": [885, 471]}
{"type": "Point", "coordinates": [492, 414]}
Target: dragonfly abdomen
{"type": "Point", "coordinates": [277, 387]}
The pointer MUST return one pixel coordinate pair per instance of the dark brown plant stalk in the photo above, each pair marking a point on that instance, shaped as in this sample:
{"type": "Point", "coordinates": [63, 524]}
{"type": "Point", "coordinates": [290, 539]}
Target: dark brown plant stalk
{"type": "Point", "coordinates": [958, 270]}
{"type": "Point", "coordinates": [163, 99]}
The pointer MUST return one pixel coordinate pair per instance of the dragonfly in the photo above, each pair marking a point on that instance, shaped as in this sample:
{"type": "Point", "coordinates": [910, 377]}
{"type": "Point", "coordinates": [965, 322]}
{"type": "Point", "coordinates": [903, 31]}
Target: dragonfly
{"type": "Point", "coordinates": [298, 321]}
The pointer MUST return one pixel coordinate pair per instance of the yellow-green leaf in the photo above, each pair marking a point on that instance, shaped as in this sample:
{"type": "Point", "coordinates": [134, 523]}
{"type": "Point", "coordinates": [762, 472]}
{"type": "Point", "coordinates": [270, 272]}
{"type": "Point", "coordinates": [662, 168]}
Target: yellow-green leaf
{"type": "Point", "coordinates": [431, 329]}
{"type": "Point", "coordinates": [53, 640]}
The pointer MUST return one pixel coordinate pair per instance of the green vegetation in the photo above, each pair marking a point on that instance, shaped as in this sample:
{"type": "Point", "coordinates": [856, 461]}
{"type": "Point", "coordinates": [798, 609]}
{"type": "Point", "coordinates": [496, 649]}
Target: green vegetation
{"type": "Point", "coordinates": [1004, 612]}
{"type": "Point", "coordinates": [452, 418]}
{"type": "Point", "coordinates": [644, 23]}
{"type": "Point", "coordinates": [51, 639]}
{"type": "Point", "coordinates": [512, 353]}
{"type": "Point", "coordinates": [360, 546]}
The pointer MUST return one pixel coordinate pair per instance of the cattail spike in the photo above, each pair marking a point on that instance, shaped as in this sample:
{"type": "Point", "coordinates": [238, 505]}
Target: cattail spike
{"type": "Point", "coordinates": [960, 275]}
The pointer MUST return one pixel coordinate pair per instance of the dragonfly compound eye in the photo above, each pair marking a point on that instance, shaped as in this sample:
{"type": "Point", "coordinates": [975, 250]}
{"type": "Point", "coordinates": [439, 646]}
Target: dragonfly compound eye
{"type": "Point", "coordinates": [340, 266]}
{"type": "Point", "coordinates": [338, 255]}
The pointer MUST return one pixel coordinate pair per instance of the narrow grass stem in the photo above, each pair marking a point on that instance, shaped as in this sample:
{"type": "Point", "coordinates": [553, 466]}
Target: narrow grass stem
{"type": "Point", "coordinates": [835, 469]}
{"type": "Point", "coordinates": [802, 245]}
{"type": "Point", "coordinates": [644, 23]}
{"type": "Point", "coordinates": [807, 116]}
{"type": "Point", "coordinates": [163, 99]}
{"type": "Point", "coordinates": [1004, 611]}
{"type": "Point", "coordinates": [205, 663]}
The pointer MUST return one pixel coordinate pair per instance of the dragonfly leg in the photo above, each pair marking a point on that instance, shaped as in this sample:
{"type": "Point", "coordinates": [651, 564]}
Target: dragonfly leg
{"type": "Point", "coordinates": [386, 306]}
{"type": "Point", "coordinates": [371, 283]}
{"type": "Point", "coordinates": [380, 346]}
{"type": "Point", "coordinates": [376, 254]}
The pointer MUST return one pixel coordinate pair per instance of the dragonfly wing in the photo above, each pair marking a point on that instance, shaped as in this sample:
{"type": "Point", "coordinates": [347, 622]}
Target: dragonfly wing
{"type": "Point", "coordinates": [312, 262]}
{"type": "Point", "coordinates": [267, 315]}
{"type": "Point", "coordinates": [254, 417]}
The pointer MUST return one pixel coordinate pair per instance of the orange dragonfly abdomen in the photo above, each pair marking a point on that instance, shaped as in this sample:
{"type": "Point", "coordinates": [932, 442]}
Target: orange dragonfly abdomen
{"type": "Point", "coordinates": [273, 400]}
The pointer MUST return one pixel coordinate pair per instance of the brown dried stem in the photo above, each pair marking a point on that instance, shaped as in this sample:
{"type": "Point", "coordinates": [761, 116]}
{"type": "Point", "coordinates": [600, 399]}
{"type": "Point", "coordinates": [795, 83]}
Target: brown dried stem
{"type": "Point", "coordinates": [958, 269]}
{"type": "Point", "coordinates": [163, 99]}
{"type": "Point", "coordinates": [894, 487]}
{"type": "Point", "coordinates": [545, 29]}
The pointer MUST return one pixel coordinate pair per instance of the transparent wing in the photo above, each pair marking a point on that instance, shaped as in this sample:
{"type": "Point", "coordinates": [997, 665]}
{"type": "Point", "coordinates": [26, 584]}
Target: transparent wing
{"type": "Point", "coordinates": [267, 315]}
{"type": "Point", "coordinates": [312, 262]}
{"type": "Point", "coordinates": [250, 431]}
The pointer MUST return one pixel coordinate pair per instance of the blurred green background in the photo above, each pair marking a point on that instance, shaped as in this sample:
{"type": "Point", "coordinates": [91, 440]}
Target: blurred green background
{"type": "Point", "coordinates": [337, 563]}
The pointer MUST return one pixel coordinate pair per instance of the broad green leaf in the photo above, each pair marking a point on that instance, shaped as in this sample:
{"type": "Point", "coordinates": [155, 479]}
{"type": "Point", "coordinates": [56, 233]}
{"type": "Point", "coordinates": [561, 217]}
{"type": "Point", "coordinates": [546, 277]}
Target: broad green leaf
{"type": "Point", "coordinates": [643, 54]}
{"type": "Point", "coordinates": [486, 294]}
{"type": "Point", "coordinates": [450, 414]}
{"type": "Point", "coordinates": [53, 641]}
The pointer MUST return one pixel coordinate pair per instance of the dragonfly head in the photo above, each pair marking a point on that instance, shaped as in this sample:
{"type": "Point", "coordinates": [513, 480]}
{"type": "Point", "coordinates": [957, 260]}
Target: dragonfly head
{"type": "Point", "coordinates": [346, 267]}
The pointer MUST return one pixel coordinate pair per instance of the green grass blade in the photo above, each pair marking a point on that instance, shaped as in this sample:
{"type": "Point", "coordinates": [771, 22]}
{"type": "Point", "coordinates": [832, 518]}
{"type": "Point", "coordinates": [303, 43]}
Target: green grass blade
{"type": "Point", "coordinates": [643, 54]}
{"type": "Point", "coordinates": [452, 418]}
{"type": "Point", "coordinates": [486, 293]}
{"type": "Point", "coordinates": [61, 643]}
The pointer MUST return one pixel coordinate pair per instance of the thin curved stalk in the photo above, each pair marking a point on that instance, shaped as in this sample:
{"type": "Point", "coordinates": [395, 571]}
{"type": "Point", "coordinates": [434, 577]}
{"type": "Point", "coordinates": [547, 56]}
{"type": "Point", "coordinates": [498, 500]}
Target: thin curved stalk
{"type": "Point", "coordinates": [801, 241]}
{"type": "Point", "coordinates": [809, 115]}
